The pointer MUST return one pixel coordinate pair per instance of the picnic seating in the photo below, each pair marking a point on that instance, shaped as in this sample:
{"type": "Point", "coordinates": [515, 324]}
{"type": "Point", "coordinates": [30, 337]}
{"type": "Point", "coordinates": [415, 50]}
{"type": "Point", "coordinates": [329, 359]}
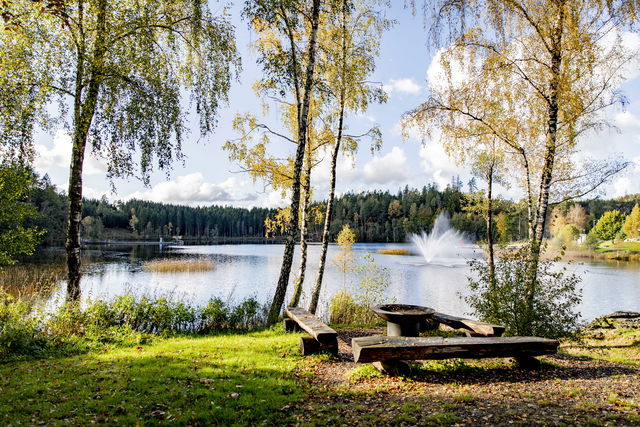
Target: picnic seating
{"type": "Point", "coordinates": [474, 328]}
{"type": "Point", "coordinates": [323, 338]}
{"type": "Point", "coordinates": [389, 353]}
{"type": "Point", "coordinates": [372, 349]}
{"type": "Point", "coordinates": [483, 340]}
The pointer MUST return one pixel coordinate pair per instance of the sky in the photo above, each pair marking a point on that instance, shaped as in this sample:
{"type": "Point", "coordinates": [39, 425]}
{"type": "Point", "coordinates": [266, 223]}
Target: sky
{"type": "Point", "coordinates": [207, 177]}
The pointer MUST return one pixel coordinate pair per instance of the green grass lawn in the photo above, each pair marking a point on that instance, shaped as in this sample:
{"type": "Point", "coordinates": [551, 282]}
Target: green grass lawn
{"type": "Point", "coordinates": [226, 379]}
{"type": "Point", "coordinates": [610, 246]}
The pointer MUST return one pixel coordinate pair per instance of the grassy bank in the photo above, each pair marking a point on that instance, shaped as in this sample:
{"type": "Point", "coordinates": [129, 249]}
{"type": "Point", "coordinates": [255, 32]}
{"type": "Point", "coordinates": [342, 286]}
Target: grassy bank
{"type": "Point", "coordinates": [259, 378]}
{"type": "Point", "coordinates": [231, 378]}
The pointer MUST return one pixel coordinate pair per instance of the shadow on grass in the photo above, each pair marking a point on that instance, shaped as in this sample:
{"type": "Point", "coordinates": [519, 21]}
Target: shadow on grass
{"type": "Point", "coordinates": [226, 379]}
{"type": "Point", "coordinates": [474, 372]}
{"type": "Point", "coordinates": [466, 406]}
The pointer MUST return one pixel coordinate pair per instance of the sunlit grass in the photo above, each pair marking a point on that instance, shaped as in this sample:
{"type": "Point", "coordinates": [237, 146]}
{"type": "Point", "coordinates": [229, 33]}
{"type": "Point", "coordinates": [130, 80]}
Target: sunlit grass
{"type": "Point", "coordinates": [618, 346]}
{"type": "Point", "coordinates": [179, 265]}
{"type": "Point", "coordinates": [393, 251]}
{"type": "Point", "coordinates": [242, 379]}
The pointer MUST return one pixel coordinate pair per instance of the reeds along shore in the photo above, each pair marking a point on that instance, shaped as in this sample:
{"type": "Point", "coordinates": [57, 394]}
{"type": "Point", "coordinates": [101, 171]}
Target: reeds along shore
{"type": "Point", "coordinates": [179, 265]}
{"type": "Point", "coordinates": [393, 251]}
{"type": "Point", "coordinates": [24, 280]}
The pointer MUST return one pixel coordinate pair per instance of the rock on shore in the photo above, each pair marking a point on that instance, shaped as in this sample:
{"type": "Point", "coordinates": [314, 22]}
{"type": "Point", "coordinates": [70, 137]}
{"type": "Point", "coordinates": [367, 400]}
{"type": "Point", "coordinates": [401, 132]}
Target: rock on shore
{"type": "Point", "coordinates": [616, 320]}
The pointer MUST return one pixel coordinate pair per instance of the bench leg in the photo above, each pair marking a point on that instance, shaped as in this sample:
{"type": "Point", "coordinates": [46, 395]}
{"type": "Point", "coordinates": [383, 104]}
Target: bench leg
{"type": "Point", "coordinates": [527, 362]}
{"type": "Point", "coordinates": [309, 345]}
{"type": "Point", "coordinates": [428, 325]}
{"type": "Point", "coordinates": [291, 326]}
{"type": "Point", "coordinates": [393, 367]}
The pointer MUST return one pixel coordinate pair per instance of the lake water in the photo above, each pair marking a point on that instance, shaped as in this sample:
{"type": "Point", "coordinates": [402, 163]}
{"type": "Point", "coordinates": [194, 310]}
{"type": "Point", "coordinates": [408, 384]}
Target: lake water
{"type": "Point", "coordinates": [242, 271]}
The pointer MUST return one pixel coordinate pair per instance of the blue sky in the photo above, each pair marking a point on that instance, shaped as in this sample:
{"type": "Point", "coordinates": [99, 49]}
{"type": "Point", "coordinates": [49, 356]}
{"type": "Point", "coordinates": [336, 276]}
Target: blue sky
{"type": "Point", "coordinates": [207, 177]}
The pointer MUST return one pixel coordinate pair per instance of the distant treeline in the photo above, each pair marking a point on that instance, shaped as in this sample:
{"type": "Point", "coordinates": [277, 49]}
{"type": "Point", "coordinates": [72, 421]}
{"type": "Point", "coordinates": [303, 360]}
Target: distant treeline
{"type": "Point", "coordinates": [377, 216]}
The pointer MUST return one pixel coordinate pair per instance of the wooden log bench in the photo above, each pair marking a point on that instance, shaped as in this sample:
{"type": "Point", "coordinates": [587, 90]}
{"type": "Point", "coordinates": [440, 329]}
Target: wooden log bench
{"type": "Point", "coordinates": [389, 352]}
{"type": "Point", "coordinates": [323, 338]}
{"type": "Point", "coordinates": [473, 328]}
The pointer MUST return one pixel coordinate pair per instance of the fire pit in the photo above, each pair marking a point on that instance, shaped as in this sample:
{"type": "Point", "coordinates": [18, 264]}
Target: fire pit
{"type": "Point", "coordinates": [403, 320]}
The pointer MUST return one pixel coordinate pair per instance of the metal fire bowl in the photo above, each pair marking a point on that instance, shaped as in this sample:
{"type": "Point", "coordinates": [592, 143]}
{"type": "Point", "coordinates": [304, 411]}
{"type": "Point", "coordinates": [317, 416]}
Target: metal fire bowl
{"type": "Point", "coordinates": [403, 313]}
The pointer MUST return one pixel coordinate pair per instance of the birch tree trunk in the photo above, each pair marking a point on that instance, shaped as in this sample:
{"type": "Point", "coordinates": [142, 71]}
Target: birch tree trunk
{"type": "Point", "coordinates": [304, 227]}
{"type": "Point", "coordinates": [315, 296]}
{"type": "Point", "coordinates": [490, 242]}
{"type": "Point", "coordinates": [84, 110]}
{"type": "Point", "coordinates": [287, 260]}
{"type": "Point", "coordinates": [549, 159]}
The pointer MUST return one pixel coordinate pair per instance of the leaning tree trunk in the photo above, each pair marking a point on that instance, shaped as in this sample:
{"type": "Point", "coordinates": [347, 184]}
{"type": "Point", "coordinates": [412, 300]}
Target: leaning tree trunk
{"type": "Point", "coordinates": [304, 228]}
{"type": "Point", "coordinates": [315, 296]}
{"type": "Point", "coordinates": [84, 110]}
{"type": "Point", "coordinates": [287, 260]}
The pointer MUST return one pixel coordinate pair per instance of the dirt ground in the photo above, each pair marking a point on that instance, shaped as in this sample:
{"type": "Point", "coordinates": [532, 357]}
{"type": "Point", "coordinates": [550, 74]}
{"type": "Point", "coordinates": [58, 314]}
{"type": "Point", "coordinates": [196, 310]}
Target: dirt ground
{"type": "Point", "coordinates": [567, 390]}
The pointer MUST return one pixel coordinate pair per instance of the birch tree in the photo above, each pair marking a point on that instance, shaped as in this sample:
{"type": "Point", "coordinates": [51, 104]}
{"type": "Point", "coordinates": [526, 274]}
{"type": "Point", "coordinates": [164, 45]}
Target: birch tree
{"type": "Point", "coordinates": [287, 33]}
{"type": "Point", "coordinates": [252, 152]}
{"type": "Point", "coordinates": [118, 68]}
{"type": "Point", "coordinates": [349, 48]}
{"type": "Point", "coordinates": [537, 75]}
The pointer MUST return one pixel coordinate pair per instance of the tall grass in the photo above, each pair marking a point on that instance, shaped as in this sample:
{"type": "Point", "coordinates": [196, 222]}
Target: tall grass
{"type": "Point", "coordinates": [23, 280]}
{"type": "Point", "coordinates": [393, 251]}
{"type": "Point", "coordinates": [168, 265]}
{"type": "Point", "coordinates": [25, 329]}
{"type": "Point", "coordinates": [345, 310]}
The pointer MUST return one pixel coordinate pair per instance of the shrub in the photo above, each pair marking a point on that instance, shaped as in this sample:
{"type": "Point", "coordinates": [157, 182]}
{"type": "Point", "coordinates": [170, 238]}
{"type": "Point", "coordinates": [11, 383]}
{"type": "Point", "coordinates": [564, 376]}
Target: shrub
{"type": "Point", "coordinates": [344, 310]}
{"type": "Point", "coordinates": [248, 315]}
{"type": "Point", "coordinates": [373, 283]}
{"type": "Point", "coordinates": [566, 235]}
{"type": "Point", "coordinates": [214, 316]}
{"type": "Point", "coordinates": [19, 331]}
{"type": "Point", "coordinates": [556, 296]}
{"type": "Point", "coordinates": [608, 225]}
{"type": "Point", "coordinates": [591, 241]}
{"type": "Point", "coordinates": [355, 309]}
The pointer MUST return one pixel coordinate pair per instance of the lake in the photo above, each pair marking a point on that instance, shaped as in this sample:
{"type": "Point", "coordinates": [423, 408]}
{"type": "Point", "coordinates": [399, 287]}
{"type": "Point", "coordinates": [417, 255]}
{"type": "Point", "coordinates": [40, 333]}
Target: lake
{"type": "Point", "coordinates": [243, 271]}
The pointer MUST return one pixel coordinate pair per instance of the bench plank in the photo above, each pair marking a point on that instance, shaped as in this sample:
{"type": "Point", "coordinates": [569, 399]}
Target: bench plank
{"type": "Point", "coordinates": [476, 327]}
{"type": "Point", "coordinates": [373, 349]}
{"type": "Point", "coordinates": [313, 325]}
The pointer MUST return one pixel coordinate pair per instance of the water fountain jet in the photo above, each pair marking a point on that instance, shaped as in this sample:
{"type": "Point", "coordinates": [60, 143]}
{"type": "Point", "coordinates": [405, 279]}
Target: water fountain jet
{"type": "Point", "coordinates": [441, 241]}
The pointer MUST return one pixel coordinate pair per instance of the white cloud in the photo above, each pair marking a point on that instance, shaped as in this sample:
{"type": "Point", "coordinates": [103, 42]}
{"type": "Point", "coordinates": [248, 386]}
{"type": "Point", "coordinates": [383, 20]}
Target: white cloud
{"type": "Point", "coordinates": [274, 199]}
{"type": "Point", "coordinates": [438, 77]}
{"type": "Point", "coordinates": [192, 189]}
{"type": "Point", "coordinates": [370, 118]}
{"type": "Point", "coordinates": [623, 186]}
{"type": "Point", "coordinates": [407, 85]}
{"type": "Point", "coordinates": [411, 132]}
{"type": "Point", "coordinates": [345, 173]}
{"type": "Point", "coordinates": [434, 158]}
{"type": "Point", "coordinates": [437, 164]}
{"type": "Point", "coordinates": [59, 156]}
{"type": "Point", "coordinates": [628, 123]}
{"type": "Point", "coordinates": [392, 167]}
{"type": "Point", "coordinates": [92, 193]}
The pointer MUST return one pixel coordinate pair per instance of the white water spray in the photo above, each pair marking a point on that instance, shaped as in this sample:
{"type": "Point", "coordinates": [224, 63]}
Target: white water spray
{"type": "Point", "coordinates": [442, 241]}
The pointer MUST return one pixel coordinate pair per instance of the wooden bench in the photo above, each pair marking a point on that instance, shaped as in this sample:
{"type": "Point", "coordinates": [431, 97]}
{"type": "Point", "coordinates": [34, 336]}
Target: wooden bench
{"type": "Point", "coordinates": [474, 328]}
{"type": "Point", "coordinates": [323, 338]}
{"type": "Point", "coordinates": [391, 351]}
